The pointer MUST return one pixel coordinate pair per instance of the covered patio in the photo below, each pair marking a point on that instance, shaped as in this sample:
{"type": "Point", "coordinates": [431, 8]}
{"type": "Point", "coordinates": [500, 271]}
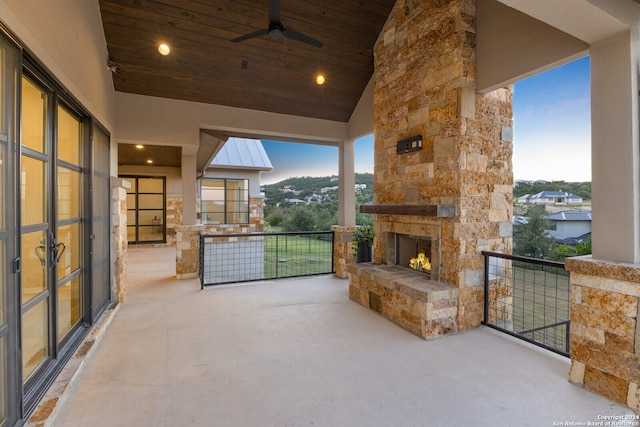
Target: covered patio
{"type": "Point", "coordinates": [299, 352]}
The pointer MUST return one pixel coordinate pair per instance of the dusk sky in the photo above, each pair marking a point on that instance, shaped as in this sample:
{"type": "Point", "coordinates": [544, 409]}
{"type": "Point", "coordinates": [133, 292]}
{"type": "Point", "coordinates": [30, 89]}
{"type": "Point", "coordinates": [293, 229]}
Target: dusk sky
{"type": "Point", "coordinates": [552, 134]}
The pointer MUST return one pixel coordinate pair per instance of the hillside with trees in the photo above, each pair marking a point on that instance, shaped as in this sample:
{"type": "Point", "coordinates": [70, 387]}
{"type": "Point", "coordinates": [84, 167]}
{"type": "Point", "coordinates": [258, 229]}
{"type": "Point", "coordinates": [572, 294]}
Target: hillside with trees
{"type": "Point", "coordinates": [299, 204]}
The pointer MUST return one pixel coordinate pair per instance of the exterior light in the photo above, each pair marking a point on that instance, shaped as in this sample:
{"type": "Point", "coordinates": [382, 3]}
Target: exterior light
{"type": "Point", "coordinates": [149, 161]}
{"type": "Point", "coordinates": [164, 49]}
{"type": "Point", "coordinates": [139, 146]}
{"type": "Point", "coordinates": [320, 79]}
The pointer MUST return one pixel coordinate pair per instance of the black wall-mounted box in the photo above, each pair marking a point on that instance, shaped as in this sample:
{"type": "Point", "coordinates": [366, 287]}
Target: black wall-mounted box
{"type": "Point", "coordinates": [409, 145]}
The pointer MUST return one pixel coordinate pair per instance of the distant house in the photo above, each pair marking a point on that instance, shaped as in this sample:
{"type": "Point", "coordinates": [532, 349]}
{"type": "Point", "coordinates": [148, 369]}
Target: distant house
{"type": "Point", "coordinates": [551, 197]}
{"type": "Point", "coordinates": [327, 189]}
{"type": "Point", "coordinates": [570, 226]}
{"type": "Point", "coordinates": [295, 201]}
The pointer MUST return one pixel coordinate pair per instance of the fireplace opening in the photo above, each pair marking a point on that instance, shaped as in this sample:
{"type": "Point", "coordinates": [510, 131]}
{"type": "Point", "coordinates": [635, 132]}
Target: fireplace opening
{"type": "Point", "coordinates": [414, 252]}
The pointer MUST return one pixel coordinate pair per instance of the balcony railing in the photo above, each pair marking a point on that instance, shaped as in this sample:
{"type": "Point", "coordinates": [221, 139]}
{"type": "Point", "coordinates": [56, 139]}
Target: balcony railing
{"type": "Point", "coordinates": [528, 298]}
{"type": "Point", "coordinates": [234, 258]}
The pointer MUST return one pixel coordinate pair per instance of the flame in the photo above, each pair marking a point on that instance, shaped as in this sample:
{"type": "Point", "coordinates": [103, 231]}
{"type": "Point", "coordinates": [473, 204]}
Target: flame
{"type": "Point", "coordinates": [421, 262]}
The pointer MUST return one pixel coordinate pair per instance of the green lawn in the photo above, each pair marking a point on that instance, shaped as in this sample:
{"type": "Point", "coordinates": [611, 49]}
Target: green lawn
{"type": "Point", "coordinates": [537, 298]}
{"type": "Point", "coordinates": [292, 255]}
{"type": "Point", "coordinates": [541, 298]}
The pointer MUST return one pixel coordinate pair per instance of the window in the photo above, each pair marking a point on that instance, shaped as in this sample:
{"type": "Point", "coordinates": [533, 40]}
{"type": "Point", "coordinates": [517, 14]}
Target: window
{"type": "Point", "coordinates": [225, 201]}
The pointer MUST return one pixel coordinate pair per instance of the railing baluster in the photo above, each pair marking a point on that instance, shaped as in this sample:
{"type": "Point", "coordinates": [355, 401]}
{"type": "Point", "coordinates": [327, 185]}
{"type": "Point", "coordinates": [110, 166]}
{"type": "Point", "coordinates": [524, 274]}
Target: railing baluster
{"type": "Point", "coordinates": [249, 257]}
{"type": "Point", "coordinates": [518, 305]}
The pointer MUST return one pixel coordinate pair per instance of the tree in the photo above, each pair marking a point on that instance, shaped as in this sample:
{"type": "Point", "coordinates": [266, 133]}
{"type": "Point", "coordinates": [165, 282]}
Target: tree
{"type": "Point", "coordinates": [531, 239]}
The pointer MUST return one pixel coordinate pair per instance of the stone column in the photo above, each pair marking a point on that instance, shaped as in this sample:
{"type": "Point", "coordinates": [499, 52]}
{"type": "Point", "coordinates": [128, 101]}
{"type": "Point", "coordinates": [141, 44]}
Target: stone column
{"type": "Point", "coordinates": [119, 241]}
{"type": "Point", "coordinates": [605, 337]}
{"type": "Point", "coordinates": [425, 84]}
{"type": "Point", "coordinates": [342, 249]}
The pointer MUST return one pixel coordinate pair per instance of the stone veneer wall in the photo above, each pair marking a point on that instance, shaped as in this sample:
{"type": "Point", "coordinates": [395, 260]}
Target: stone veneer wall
{"type": "Point", "coordinates": [605, 335]}
{"type": "Point", "coordinates": [343, 254]}
{"type": "Point", "coordinates": [256, 213]}
{"type": "Point", "coordinates": [119, 244]}
{"type": "Point", "coordinates": [425, 85]}
{"type": "Point", "coordinates": [173, 218]}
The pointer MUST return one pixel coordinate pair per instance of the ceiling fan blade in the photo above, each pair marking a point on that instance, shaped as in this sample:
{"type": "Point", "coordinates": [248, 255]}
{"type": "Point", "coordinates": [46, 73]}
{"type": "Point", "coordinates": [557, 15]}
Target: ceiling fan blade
{"type": "Point", "coordinates": [295, 35]}
{"type": "Point", "coordinates": [274, 11]}
{"type": "Point", "coordinates": [251, 35]}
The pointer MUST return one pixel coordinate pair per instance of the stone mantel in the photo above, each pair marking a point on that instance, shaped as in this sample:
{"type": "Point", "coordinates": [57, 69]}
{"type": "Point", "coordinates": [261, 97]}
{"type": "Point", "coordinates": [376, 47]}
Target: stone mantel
{"type": "Point", "coordinates": [437, 211]}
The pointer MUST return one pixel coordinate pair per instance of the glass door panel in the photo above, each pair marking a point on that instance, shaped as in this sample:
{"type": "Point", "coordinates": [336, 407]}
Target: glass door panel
{"type": "Point", "coordinates": [69, 137]}
{"type": "Point", "coordinates": [150, 185]}
{"type": "Point", "coordinates": [101, 195]}
{"type": "Point", "coordinates": [34, 114]}
{"type": "Point", "coordinates": [69, 222]}
{"type": "Point", "coordinates": [69, 306]}
{"type": "Point", "coordinates": [32, 191]}
{"type": "Point", "coordinates": [68, 255]}
{"type": "Point", "coordinates": [68, 193]}
{"type": "Point", "coordinates": [35, 337]}
{"type": "Point", "coordinates": [35, 265]}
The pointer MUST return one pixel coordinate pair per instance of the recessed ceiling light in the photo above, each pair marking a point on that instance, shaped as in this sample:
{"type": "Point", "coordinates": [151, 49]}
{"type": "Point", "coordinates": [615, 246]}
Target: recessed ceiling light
{"type": "Point", "coordinates": [139, 146]}
{"type": "Point", "coordinates": [320, 79]}
{"type": "Point", "coordinates": [149, 161]}
{"type": "Point", "coordinates": [164, 49]}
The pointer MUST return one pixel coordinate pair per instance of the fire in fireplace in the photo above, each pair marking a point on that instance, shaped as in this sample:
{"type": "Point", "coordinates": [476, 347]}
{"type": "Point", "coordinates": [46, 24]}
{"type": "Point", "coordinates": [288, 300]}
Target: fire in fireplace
{"type": "Point", "coordinates": [420, 262]}
{"type": "Point", "coordinates": [414, 252]}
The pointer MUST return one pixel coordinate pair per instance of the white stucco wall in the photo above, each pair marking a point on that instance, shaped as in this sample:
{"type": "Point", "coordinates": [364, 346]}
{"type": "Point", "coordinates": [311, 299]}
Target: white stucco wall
{"type": "Point", "coordinates": [68, 38]}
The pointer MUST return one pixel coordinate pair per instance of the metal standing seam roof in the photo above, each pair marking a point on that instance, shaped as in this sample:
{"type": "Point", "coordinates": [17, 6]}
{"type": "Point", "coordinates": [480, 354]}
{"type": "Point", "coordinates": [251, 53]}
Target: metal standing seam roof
{"type": "Point", "coordinates": [242, 153]}
{"type": "Point", "coordinates": [546, 194]}
{"type": "Point", "coordinates": [571, 215]}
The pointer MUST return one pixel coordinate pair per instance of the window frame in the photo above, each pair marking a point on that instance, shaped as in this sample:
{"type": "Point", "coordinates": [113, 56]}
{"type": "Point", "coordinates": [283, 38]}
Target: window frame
{"type": "Point", "coordinates": [225, 202]}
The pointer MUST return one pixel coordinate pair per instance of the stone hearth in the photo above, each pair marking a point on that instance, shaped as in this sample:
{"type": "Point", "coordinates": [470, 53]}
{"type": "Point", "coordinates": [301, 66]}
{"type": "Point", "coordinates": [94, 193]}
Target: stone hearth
{"type": "Point", "coordinates": [424, 307]}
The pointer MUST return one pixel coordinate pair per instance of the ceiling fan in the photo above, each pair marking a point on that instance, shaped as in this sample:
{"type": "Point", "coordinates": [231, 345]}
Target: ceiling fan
{"type": "Point", "coordinates": [277, 30]}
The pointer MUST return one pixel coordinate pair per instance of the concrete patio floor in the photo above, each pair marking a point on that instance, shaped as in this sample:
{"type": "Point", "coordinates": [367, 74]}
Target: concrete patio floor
{"type": "Point", "coordinates": [299, 352]}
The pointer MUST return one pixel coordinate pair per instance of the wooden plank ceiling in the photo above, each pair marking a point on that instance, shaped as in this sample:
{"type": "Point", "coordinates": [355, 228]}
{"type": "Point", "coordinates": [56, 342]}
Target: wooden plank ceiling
{"type": "Point", "coordinates": [261, 73]}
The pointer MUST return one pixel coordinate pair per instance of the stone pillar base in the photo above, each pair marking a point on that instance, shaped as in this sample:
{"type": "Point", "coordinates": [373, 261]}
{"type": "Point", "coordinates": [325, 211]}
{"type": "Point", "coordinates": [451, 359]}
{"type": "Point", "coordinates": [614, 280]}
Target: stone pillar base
{"type": "Point", "coordinates": [119, 243]}
{"type": "Point", "coordinates": [605, 338]}
{"type": "Point", "coordinates": [342, 249]}
{"type": "Point", "coordinates": [188, 245]}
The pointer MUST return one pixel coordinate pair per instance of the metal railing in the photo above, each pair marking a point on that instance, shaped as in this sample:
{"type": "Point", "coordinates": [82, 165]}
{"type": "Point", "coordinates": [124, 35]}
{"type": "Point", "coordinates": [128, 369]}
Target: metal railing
{"type": "Point", "coordinates": [234, 258]}
{"type": "Point", "coordinates": [528, 298]}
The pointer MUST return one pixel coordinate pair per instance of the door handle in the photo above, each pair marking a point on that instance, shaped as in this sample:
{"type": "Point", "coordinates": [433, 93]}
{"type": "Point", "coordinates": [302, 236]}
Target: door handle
{"type": "Point", "coordinates": [60, 252]}
{"type": "Point", "coordinates": [52, 249]}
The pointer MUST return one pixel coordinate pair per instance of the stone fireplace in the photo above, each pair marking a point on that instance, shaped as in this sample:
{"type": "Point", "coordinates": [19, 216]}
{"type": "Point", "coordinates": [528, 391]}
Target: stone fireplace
{"type": "Point", "coordinates": [419, 253]}
{"type": "Point", "coordinates": [443, 176]}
